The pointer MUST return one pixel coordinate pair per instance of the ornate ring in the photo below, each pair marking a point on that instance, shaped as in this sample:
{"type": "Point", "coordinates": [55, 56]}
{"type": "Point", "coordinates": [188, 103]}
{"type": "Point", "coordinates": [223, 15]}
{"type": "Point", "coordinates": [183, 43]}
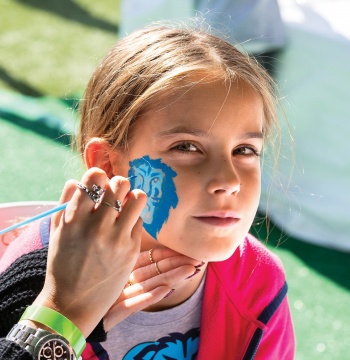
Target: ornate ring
{"type": "Point", "coordinates": [95, 194]}
{"type": "Point", "coordinates": [150, 251]}
{"type": "Point", "coordinates": [157, 268]}
{"type": "Point", "coordinates": [118, 205]}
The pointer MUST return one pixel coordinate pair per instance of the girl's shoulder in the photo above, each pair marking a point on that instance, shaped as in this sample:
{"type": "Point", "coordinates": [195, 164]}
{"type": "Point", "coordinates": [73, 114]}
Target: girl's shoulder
{"type": "Point", "coordinates": [252, 278]}
{"type": "Point", "coordinates": [251, 258]}
{"type": "Point", "coordinates": [254, 250]}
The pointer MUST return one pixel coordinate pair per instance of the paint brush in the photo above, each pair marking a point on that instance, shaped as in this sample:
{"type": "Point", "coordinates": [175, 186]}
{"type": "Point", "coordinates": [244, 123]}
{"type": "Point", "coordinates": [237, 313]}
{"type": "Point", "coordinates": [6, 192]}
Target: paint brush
{"type": "Point", "coordinates": [39, 216]}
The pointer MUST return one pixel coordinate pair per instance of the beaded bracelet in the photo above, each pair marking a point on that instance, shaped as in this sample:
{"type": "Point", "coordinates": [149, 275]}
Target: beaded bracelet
{"type": "Point", "coordinates": [57, 322]}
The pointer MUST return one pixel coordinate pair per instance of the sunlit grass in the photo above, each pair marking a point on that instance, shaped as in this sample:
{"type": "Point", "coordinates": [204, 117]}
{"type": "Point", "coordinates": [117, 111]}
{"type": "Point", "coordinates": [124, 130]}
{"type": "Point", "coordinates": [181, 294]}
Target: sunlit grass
{"type": "Point", "coordinates": [52, 47]}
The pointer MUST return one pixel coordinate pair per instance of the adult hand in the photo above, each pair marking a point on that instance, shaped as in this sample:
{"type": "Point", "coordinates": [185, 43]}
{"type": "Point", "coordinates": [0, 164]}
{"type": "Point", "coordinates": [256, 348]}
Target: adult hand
{"type": "Point", "coordinates": [146, 286]}
{"type": "Point", "coordinates": [93, 249]}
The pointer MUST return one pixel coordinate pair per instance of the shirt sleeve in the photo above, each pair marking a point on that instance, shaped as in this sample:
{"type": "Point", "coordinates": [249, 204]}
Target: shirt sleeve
{"type": "Point", "coordinates": [278, 340]}
{"type": "Point", "coordinates": [12, 351]}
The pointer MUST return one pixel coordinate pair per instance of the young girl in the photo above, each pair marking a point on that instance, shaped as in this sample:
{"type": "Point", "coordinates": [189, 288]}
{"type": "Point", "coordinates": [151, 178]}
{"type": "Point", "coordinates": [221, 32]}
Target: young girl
{"type": "Point", "coordinates": [184, 116]}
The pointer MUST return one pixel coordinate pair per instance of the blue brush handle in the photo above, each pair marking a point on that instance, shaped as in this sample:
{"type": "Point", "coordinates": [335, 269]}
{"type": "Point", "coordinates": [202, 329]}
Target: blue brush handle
{"type": "Point", "coordinates": [36, 217]}
{"type": "Point", "coordinates": [39, 216]}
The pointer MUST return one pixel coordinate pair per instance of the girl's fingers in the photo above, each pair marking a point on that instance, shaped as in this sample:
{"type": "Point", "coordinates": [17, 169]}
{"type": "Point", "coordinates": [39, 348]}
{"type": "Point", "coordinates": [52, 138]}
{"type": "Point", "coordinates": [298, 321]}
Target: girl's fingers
{"type": "Point", "coordinates": [141, 295]}
{"type": "Point", "coordinates": [125, 308]}
{"type": "Point", "coordinates": [155, 255]}
{"type": "Point", "coordinates": [169, 278]}
{"type": "Point", "coordinates": [161, 266]}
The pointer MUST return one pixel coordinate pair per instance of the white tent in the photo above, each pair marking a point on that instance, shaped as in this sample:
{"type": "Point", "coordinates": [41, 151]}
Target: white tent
{"type": "Point", "coordinates": [311, 200]}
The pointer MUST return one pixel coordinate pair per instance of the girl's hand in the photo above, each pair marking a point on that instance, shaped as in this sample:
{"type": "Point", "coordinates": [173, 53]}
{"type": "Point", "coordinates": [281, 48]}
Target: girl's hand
{"type": "Point", "coordinates": [93, 249]}
{"type": "Point", "coordinates": [146, 286]}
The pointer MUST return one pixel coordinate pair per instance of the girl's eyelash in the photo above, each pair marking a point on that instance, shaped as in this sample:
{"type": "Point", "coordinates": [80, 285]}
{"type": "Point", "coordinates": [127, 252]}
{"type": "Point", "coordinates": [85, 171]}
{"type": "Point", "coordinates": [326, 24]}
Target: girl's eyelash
{"type": "Point", "coordinates": [253, 151]}
{"type": "Point", "coordinates": [185, 147]}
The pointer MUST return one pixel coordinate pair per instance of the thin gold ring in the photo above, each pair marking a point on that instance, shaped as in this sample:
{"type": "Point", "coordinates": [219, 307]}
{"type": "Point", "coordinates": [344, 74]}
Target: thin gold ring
{"type": "Point", "coordinates": [157, 268]}
{"type": "Point", "coordinates": [150, 256]}
{"type": "Point", "coordinates": [130, 282]}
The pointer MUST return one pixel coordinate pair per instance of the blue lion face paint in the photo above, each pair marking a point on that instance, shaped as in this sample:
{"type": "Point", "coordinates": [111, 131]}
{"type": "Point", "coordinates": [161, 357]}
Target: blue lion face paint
{"type": "Point", "coordinates": [156, 179]}
{"type": "Point", "coordinates": [173, 346]}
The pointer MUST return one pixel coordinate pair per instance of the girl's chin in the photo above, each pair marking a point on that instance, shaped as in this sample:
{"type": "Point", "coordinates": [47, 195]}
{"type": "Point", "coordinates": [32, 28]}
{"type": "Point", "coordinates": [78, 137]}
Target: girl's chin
{"type": "Point", "coordinates": [209, 254]}
{"type": "Point", "coordinates": [204, 255]}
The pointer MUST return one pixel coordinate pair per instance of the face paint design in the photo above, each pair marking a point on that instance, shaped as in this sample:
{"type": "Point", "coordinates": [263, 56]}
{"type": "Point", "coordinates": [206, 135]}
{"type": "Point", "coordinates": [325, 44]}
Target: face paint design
{"type": "Point", "coordinates": [156, 179]}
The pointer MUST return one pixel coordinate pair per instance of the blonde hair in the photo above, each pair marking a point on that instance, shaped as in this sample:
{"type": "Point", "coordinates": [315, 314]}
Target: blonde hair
{"type": "Point", "coordinates": [148, 64]}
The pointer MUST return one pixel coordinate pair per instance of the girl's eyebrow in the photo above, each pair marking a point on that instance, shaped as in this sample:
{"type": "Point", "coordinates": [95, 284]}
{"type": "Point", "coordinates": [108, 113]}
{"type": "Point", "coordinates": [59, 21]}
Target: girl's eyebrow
{"type": "Point", "coordinates": [251, 135]}
{"type": "Point", "coordinates": [206, 134]}
{"type": "Point", "coordinates": [183, 130]}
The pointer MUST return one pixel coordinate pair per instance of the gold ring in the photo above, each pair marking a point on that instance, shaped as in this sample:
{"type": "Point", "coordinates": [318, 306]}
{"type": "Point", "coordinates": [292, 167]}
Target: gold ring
{"type": "Point", "coordinates": [130, 282]}
{"type": "Point", "coordinates": [150, 256]}
{"type": "Point", "coordinates": [157, 268]}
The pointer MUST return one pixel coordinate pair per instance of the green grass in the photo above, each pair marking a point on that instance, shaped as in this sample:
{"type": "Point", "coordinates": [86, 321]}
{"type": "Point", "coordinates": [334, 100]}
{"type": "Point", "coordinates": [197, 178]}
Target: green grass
{"type": "Point", "coordinates": [33, 166]}
{"type": "Point", "coordinates": [319, 293]}
{"type": "Point", "coordinates": [49, 48]}
{"type": "Point", "coordinates": [52, 47]}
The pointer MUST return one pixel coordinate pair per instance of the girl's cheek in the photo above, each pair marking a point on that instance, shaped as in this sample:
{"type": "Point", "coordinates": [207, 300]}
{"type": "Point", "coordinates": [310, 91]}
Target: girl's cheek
{"type": "Point", "coordinates": [155, 178]}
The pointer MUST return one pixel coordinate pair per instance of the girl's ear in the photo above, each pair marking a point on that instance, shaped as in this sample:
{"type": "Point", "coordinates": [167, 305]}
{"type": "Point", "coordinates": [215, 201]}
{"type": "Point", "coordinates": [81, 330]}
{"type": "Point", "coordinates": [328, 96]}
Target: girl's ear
{"type": "Point", "coordinates": [98, 153]}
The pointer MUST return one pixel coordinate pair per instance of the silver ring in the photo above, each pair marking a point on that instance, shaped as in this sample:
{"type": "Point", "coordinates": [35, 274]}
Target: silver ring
{"type": "Point", "coordinates": [95, 194]}
{"type": "Point", "coordinates": [118, 205]}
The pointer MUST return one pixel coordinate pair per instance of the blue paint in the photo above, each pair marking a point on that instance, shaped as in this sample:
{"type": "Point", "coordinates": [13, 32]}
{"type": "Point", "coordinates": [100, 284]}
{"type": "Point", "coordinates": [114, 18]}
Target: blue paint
{"type": "Point", "coordinates": [173, 346]}
{"type": "Point", "coordinates": [156, 179]}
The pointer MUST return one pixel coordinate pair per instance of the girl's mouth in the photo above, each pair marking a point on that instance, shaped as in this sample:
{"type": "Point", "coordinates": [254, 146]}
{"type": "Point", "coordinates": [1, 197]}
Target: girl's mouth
{"type": "Point", "coordinates": [218, 221]}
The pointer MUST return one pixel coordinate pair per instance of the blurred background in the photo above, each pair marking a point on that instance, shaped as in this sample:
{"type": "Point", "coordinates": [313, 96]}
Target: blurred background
{"type": "Point", "coordinates": [48, 50]}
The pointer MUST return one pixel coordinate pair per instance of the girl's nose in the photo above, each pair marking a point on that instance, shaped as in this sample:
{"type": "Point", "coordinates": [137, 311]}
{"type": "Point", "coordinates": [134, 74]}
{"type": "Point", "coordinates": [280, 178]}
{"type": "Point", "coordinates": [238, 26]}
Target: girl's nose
{"type": "Point", "coordinates": [224, 181]}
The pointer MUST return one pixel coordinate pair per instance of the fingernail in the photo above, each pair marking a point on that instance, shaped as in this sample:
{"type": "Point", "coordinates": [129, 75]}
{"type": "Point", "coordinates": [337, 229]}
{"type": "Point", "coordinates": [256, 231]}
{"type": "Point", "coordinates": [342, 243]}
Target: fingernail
{"type": "Point", "coordinates": [200, 265]}
{"type": "Point", "coordinates": [169, 293]}
{"type": "Point", "coordinates": [196, 272]}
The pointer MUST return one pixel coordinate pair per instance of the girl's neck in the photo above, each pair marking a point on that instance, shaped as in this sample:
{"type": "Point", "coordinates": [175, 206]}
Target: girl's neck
{"type": "Point", "coordinates": [183, 291]}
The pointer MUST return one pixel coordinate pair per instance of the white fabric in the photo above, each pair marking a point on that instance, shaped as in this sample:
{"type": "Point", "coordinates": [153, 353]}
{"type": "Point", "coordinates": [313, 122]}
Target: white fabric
{"type": "Point", "coordinates": [310, 200]}
{"type": "Point", "coordinates": [135, 14]}
{"type": "Point", "coordinates": [255, 25]}
{"type": "Point", "coordinates": [231, 18]}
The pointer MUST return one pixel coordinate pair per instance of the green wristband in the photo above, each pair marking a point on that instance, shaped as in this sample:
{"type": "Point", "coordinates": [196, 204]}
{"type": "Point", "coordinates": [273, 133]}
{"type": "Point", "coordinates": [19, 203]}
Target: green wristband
{"type": "Point", "coordinates": [57, 322]}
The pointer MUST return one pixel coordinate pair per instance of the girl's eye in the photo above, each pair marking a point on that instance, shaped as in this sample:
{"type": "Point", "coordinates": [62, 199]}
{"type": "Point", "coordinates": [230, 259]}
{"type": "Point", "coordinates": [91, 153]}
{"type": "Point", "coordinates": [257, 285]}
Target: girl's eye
{"type": "Point", "coordinates": [186, 147]}
{"type": "Point", "coordinates": [246, 151]}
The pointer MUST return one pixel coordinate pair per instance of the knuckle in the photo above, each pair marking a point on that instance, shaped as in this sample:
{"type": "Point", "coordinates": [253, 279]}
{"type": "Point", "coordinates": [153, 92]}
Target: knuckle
{"type": "Point", "coordinates": [167, 277]}
{"type": "Point", "coordinates": [139, 195]}
{"type": "Point", "coordinates": [119, 183]}
{"type": "Point", "coordinates": [95, 171]}
{"type": "Point", "coordinates": [70, 183]}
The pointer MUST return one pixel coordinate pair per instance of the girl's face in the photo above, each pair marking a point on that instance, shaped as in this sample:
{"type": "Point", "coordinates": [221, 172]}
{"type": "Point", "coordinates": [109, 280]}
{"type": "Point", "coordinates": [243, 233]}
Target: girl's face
{"type": "Point", "coordinates": [200, 151]}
